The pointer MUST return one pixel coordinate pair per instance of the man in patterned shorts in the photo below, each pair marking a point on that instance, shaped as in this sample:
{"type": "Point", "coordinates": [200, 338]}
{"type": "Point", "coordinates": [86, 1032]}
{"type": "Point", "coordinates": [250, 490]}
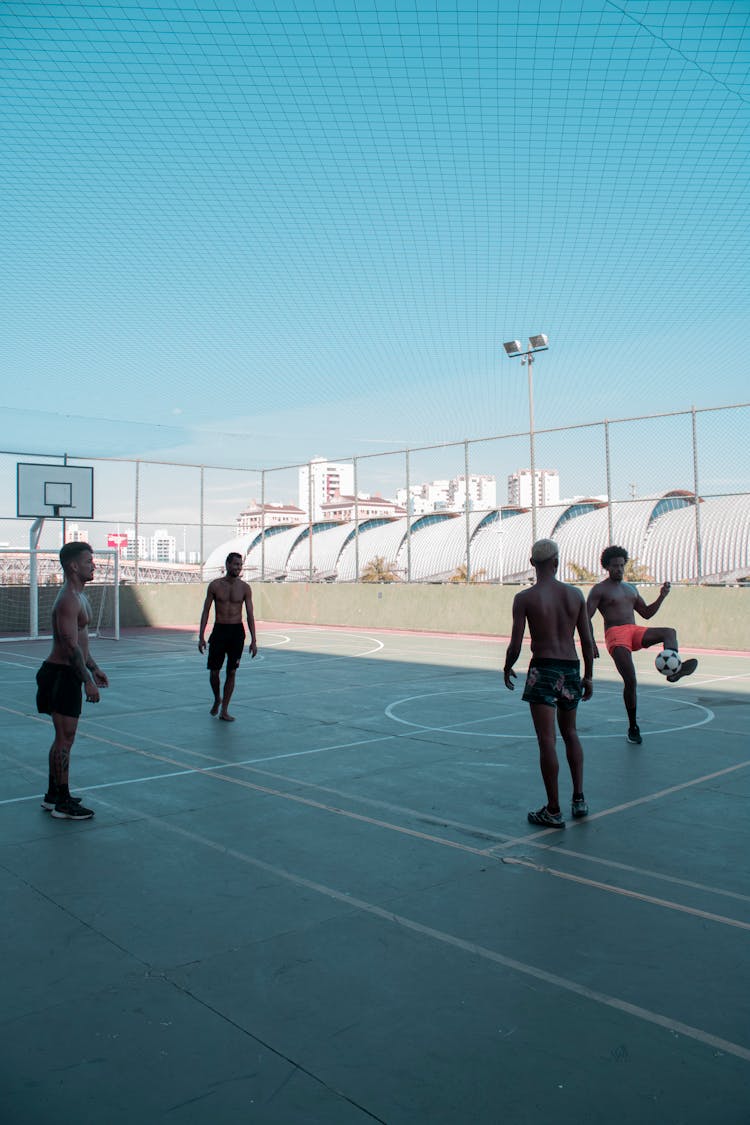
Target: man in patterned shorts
{"type": "Point", "coordinates": [554, 612]}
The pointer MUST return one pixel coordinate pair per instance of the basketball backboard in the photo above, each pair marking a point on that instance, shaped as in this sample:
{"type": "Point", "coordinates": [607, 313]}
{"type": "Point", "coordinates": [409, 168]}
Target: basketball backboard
{"type": "Point", "coordinates": [56, 491]}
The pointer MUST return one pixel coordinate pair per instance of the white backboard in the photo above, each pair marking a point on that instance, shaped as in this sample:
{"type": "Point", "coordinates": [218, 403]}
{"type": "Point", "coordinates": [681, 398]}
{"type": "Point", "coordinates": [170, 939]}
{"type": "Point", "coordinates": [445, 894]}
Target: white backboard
{"type": "Point", "coordinates": [56, 491]}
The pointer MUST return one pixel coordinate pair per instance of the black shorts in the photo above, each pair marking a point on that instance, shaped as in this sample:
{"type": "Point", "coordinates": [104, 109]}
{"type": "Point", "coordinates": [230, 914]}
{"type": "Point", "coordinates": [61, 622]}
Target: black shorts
{"type": "Point", "coordinates": [59, 690]}
{"type": "Point", "coordinates": [554, 682]}
{"type": "Point", "coordinates": [225, 640]}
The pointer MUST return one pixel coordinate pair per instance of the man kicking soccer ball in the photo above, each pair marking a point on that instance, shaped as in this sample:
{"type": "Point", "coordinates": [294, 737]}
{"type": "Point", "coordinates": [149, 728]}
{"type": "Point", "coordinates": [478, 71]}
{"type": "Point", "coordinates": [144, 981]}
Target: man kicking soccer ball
{"type": "Point", "coordinates": [618, 602]}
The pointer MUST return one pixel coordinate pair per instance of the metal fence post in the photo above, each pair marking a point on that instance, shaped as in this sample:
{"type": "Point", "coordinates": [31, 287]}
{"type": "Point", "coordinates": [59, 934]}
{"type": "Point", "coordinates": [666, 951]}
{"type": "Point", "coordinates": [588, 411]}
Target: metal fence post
{"type": "Point", "coordinates": [408, 518]}
{"type": "Point", "coordinates": [203, 520]}
{"type": "Point", "coordinates": [310, 521]}
{"type": "Point", "coordinates": [263, 525]}
{"type": "Point", "coordinates": [698, 536]}
{"type": "Point", "coordinates": [467, 512]}
{"type": "Point", "coordinates": [136, 545]}
{"type": "Point", "coordinates": [356, 519]}
{"type": "Point", "coordinates": [609, 480]}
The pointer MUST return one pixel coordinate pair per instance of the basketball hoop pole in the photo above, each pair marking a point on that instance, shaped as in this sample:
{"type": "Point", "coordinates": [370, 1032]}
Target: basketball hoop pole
{"type": "Point", "coordinates": [34, 536]}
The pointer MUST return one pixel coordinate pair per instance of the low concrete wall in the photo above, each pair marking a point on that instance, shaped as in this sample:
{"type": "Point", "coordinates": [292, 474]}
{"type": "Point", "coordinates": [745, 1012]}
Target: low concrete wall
{"type": "Point", "coordinates": [705, 617]}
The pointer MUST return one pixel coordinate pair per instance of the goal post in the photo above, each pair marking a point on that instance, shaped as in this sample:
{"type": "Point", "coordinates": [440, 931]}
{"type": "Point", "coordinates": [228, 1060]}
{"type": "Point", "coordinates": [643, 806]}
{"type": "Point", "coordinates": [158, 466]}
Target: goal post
{"type": "Point", "coordinates": [30, 580]}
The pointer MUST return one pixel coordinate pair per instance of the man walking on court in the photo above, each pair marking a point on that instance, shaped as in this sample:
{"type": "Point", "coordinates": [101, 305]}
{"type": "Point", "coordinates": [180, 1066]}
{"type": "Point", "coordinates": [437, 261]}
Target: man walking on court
{"type": "Point", "coordinates": [554, 612]}
{"type": "Point", "coordinates": [59, 680]}
{"type": "Point", "coordinates": [618, 602]}
{"type": "Point", "coordinates": [228, 595]}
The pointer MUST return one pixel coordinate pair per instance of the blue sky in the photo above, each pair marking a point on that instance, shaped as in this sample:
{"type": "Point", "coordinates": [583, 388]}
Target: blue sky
{"type": "Point", "coordinates": [249, 233]}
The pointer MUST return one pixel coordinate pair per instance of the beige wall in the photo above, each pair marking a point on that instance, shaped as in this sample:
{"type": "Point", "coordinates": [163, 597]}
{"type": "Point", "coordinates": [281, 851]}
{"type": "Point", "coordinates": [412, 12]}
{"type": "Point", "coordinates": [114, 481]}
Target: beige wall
{"type": "Point", "coordinates": [705, 617]}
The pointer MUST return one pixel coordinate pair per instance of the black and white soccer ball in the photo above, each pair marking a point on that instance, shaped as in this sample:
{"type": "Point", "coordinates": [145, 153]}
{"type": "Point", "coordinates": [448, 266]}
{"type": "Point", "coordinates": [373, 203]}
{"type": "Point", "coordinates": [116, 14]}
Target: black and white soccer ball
{"type": "Point", "coordinates": [668, 662]}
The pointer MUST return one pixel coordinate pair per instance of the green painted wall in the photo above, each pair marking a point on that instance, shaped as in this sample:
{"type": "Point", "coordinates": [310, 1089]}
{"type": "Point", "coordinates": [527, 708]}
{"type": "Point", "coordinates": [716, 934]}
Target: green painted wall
{"type": "Point", "coordinates": [705, 617]}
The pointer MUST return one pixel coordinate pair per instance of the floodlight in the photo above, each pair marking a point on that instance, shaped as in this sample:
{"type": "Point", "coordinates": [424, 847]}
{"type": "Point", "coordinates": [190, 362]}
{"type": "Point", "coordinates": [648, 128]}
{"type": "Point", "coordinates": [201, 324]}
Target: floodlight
{"type": "Point", "coordinates": [513, 347]}
{"type": "Point", "coordinates": [538, 341]}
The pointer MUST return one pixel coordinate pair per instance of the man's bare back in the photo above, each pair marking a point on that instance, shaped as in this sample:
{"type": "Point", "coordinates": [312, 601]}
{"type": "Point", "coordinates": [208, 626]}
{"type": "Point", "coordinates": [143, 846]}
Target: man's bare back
{"type": "Point", "coordinates": [552, 610]}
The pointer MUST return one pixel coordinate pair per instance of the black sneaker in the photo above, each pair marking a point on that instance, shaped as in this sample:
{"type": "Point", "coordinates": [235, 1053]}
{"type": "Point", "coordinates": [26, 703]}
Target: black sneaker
{"type": "Point", "coordinates": [579, 808]}
{"type": "Point", "coordinates": [67, 809]}
{"type": "Point", "coordinates": [50, 800]}
{"type": "Point", "coordinates": [634, 735]}
{"type": "Point", "coordinates": [686, 669]}
{"type": "Point", "coordinates": [546, 819]}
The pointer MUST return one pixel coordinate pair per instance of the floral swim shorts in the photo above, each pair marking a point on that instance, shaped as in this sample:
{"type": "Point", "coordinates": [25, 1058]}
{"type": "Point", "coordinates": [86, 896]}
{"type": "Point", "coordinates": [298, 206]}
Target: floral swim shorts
{"type": "Point", "coordinates": [554, 682]}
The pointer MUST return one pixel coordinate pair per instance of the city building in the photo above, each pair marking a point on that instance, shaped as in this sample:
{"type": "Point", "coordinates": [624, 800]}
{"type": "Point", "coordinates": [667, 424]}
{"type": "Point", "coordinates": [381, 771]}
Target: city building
{"type": "Point", "coordinates": [163, 546]}
{"type": "Point", "coordinates": [130, 549]}
{"type": "Point", "coordinates": [450, 495]}
{"type": "Point", "coordinates": [321, 481]}
{"type": "Point", "coordinates": [547, 488]}
{"type": "Point", "coordinates": [258, 515]}
{"type": "Point", "coordinates": [73, 534]}
{"type": "Point", "coordinates": [342, 508]}
{"type": "Point", "coordinates": [482, 493]}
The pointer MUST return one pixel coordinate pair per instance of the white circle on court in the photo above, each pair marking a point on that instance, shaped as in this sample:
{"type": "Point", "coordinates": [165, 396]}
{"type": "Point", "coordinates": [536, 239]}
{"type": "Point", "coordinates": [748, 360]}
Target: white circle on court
{"type": "Point", "coordinates": [706, 717]}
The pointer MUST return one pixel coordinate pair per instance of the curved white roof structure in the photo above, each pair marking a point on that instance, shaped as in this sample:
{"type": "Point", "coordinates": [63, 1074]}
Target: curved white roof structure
{"type": "Point", "coordinates": [660, 533]}
{"type": "Point", "coordinates": [438, 545]}
{"type": "Point", "coordinates": [384, 541]}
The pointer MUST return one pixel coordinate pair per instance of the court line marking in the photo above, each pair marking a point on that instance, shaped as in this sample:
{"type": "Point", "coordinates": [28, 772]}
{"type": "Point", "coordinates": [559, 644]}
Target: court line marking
{"type": "Point", "coordinates": [565, 984]}
{"type": "Point", "coordinates": [454, 729]}
{"type": "Point", "coordinates": [251, 764]}
{"type": "Point", "coordinates": [213, 771]}
{"type": "Point", "coordinates": [510, 841]}
{"type": "Point", "coordinates": [626, 893]}
{"type": "Point", "coordinates": [639, 800]}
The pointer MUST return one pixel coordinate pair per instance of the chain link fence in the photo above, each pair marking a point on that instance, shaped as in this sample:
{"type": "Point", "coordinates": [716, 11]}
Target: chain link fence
{"type": "Point", "coordinates": [166, 519]}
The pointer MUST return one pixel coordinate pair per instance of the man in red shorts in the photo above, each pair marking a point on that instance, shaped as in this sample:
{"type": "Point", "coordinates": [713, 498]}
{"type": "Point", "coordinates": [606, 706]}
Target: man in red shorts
{"type": "Point", "coordinates": [618, 602]}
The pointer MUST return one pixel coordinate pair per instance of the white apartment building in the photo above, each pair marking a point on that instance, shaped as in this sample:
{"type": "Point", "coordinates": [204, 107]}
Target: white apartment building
{"type": "Point", "coordinates": [328, 480]}
{"type": "Point", "coordinates": [129, 551]}
{"type": "Point", "coordinates": [547, 488]}
{"type": "Point", "coordinates": [450, 495]}
{"type": "Point", "coordinates": [482, 493]}
{"type": "Point", "coordinates": [342, 508]}
{"type": "Point", "coordinates": [163, 546]}
{"type": "Point", "coordinates": [258, 515]}
{"type": "Point", "coordinates": [73, 534]}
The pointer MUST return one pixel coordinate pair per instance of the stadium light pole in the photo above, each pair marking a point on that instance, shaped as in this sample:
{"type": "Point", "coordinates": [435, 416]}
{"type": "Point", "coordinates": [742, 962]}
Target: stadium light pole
{"type": "Point", "coordinates": [514, 350]}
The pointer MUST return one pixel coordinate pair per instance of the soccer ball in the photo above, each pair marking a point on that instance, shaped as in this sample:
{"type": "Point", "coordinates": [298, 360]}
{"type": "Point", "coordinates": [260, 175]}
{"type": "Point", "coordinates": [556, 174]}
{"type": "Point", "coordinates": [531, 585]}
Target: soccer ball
{"type": "Point", "coordinates": [668, 662]}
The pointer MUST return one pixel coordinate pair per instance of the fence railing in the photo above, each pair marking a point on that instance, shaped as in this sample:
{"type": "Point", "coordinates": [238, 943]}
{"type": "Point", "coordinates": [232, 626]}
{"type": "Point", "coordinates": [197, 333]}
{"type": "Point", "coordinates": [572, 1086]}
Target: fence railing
{"type": "Point", "coordinates": [176, 515]}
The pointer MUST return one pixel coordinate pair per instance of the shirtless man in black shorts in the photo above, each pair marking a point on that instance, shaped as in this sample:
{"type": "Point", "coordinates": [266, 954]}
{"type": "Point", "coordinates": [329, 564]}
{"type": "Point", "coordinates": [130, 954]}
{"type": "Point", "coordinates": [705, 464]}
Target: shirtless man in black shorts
{"type": "Point", "coordinates": [618, 602]}
{"type": "Point", "coordinates": [554, 612]}
{"type": "Point", "coordinates": [59, 679]}
{"type": "Point", "coordinates": [228, 595]}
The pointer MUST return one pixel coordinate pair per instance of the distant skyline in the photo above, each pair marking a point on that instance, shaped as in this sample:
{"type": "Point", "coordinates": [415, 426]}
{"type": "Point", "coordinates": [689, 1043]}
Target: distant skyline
{"type": "Point", "coordinates": [245, 235]}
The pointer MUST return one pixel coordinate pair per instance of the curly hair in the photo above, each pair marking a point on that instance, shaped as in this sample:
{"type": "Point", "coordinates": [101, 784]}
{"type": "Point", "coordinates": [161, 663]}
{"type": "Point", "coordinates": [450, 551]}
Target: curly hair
{"type": "Point", "coordinates": [71, 551]}
{"type": "Point", "coordinates": [610, 553]}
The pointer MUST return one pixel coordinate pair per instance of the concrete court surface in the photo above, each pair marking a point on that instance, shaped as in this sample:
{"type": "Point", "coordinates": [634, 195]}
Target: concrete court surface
{"type": "Point", "coordinates": [334, 910]}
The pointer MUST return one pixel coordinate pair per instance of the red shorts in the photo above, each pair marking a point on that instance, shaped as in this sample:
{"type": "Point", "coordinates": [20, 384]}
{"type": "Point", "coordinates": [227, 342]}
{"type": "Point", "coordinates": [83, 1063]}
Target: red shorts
{"type": "Point", "coordinates": [624, 636]}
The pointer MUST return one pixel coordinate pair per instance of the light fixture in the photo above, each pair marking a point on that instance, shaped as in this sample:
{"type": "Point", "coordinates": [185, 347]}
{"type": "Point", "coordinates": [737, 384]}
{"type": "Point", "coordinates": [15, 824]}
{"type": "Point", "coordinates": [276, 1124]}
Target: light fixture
{"type": "Point", "coordinates": [538, 341]}
{"type": "Point", "coordinates": [513, 347]}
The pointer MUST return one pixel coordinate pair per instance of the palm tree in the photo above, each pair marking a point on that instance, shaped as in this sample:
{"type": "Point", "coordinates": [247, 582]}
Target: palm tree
{"type": "Point", "coordinates": [378, 570]}
{"type": "Point", "coordinates": [459, 574]}
{"type": "Point", "coordinates": [580, 573]}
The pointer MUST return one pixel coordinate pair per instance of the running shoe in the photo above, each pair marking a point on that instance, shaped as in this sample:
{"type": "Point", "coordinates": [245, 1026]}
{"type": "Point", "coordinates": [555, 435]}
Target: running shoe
{"type": "Point", "coordinates": [686, 669]}
{"type": "Point", "coordinates": [634, 735]}
{"type": "Point", "coordinates": [579, 808]}
{"type": "Point", "coordinates": [50, 800]}
{"type": "Point", "coordinates": [65, 809]}
{"type": "Point", "coordinates": [546, 819]}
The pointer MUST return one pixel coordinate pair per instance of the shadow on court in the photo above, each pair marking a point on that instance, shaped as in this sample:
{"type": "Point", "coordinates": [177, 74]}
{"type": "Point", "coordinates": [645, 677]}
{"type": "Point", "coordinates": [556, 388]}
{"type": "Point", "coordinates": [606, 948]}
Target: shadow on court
{"type": "Point", "coordinates": [334, 910]}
